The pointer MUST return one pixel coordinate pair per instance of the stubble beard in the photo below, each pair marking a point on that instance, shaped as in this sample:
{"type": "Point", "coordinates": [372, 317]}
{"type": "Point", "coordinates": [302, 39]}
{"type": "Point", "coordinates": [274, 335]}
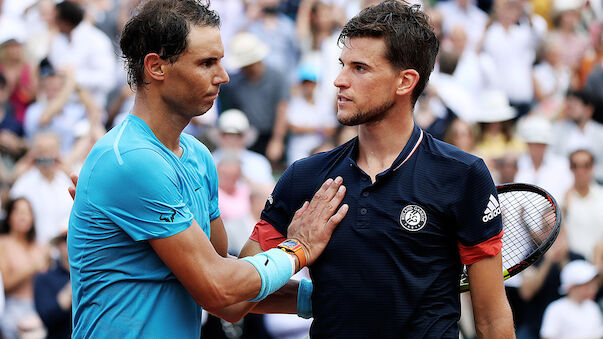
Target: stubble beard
{"type": "Point", "coordinates": [362, 117]}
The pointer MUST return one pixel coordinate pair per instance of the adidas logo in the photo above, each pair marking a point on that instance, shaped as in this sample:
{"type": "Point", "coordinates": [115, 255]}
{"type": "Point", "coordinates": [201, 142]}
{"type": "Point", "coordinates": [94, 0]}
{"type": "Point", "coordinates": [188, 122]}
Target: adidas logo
{"type": "Point", "coordinates": [492, 210]}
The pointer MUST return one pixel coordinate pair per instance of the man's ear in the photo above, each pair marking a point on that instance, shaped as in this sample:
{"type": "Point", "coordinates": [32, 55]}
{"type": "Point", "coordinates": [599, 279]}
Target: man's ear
{"type": "Point", "coordinates": [408, 79]}
{"type": "Point", "coordinates": [153, 66]}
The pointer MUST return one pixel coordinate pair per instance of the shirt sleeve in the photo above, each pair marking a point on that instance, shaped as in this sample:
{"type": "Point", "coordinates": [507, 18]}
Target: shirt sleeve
{"type": "Point", "coordinates": [478, 216]}
{"type": "Point", "coordinates": [282, 203]}
{"type": "Point", "coordinates": [140, 193]}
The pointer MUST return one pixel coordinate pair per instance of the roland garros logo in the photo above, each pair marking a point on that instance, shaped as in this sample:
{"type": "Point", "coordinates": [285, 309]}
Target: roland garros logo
{"type": "Point", "coordinates": [413, 218]}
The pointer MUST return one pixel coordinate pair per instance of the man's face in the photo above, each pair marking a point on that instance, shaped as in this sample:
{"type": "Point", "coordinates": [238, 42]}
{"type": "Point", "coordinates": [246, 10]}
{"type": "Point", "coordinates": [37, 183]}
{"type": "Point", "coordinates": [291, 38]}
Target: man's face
{"type": "Point", "coordinates": [581, 164]}
{"type": "Point", "coordinates": [367, 82]}
{"type": "Point", "coordinates": [575, 109]}
{"type": "Point", "coordinates": [191, 84]}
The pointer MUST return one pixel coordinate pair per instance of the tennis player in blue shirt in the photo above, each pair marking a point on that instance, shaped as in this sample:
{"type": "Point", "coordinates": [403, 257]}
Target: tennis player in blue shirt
{"type": "Point", "coordinates": [418, 208]}
{"type": "Point", "coordinates": [147, 247]}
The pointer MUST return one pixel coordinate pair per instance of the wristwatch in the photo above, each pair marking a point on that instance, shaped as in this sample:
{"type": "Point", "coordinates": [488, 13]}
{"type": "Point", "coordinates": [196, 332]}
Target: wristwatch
{"type": "Point", "coordinates": [294, 246]}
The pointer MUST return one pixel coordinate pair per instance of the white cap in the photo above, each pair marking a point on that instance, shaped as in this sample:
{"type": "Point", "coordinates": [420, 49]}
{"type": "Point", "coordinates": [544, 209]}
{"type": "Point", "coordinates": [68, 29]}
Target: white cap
{"type": "Point", "coordinates": [246, 49]}
{"type": "Point", "coordinates": [567, 5]}
{"type": "Point", "coordinates": [536, 129]}
{"type": "Point", "coordinates": [577, 272]}
{"type": "Point", "coordinates": [233, 121]}
{"type": "Point", "coordinates": [494, 107]}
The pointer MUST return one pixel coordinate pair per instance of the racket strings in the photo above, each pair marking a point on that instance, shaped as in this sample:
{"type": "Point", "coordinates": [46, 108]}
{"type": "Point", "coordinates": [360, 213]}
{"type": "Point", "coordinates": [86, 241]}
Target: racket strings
{"type": "Point", "coordinates": [528, 220]}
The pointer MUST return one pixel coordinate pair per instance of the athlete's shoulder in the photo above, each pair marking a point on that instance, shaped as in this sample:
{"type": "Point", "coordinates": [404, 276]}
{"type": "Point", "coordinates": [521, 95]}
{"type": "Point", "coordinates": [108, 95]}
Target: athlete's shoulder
{"type": "Point", "coordinates": [447, 152]}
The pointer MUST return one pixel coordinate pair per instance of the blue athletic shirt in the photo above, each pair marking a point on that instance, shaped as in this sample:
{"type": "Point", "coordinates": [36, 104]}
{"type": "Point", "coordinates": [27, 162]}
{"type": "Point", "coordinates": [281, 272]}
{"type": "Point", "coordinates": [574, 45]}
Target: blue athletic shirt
{"type": "Point", "coordinates": [132, 189]}
{"type": "Point", "coordinates": [392, 266]}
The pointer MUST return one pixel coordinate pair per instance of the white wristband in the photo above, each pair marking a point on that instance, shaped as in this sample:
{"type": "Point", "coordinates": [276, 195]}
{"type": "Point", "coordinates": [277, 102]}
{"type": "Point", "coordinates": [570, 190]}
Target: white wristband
{"type": "Point", "coordinates": [292, 259]}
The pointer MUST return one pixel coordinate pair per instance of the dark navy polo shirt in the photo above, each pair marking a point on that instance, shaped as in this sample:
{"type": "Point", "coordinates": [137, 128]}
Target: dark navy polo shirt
{"type": "Point", "coordinates": [392, 266]}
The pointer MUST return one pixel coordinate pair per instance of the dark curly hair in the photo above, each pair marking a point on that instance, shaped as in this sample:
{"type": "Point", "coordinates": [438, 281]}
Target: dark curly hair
{"type": "Point", "coordinates": [410, 40]}
{"type": "Point", "coordinates": [5, 225]}
{"type": "Point", "coordinates": [162, 27]}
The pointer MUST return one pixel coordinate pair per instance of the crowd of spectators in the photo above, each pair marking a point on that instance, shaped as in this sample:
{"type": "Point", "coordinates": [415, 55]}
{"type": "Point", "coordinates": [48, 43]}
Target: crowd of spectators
{"type": "Point", "coordinates": [517, 82]}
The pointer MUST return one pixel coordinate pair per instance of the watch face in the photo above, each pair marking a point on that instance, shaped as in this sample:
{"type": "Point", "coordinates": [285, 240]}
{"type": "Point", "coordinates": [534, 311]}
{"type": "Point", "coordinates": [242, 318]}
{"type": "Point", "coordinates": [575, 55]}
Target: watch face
{"type": "Point", "coordinates": [289, 243]}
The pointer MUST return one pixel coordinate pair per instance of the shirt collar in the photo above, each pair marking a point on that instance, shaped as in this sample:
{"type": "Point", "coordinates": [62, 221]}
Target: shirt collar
{"type": "Point", "coordinates": [409, 149]}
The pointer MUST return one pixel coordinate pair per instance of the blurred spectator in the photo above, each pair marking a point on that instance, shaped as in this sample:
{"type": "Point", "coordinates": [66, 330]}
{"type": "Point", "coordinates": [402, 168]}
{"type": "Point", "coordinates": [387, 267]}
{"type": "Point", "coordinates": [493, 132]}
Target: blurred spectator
{"type": "Point", "coordinates": [466, 14]}
{"type": "Point", "coordinates": [2, 298]}
{"type": "Point", "coordinates": [20, 77]}
{"type": "Point", "coordinates": [540, 286]}
{"type": "Point", "coordinates": [566, 28]}
{"type": "Point", "coordinates": [234, 201]}
{"type": "Point", "coordinates": [462, 135]}
{"type": "Point", "coordinates": [308, 124]}
{"type": "Point", "coordinates": [576, 315]}
{"type": "Point", "coordinates": [579, 130]}
{"type": "Point", "coordinates": [21, 258]}
{"type": "Point", "coordinates": [513, 46]}
{"type": "Point", "coordinates": [583, 206]}
{"type": "Point", "coordinates": [539, 166]}
{"type": "Point", "coordinates": [506, 169]}
{"type": "Point", "coordinates": [41, 29]}
{"type": "Point", "coordinates": [475, 70]}
{"type": "Point", "coordinates": [232, 136]}
{"type": "Point", "coordinates": [232, 18]}
{"type": "Point", "coordinates": [497, 136]}
{"type": "Point", "coordinates": [278, 31]}
{"type": "Point", "coordinates": [55, 111]}
{"type": "Point", "coordinates": [260, 91]}
{"type": "Point", "coordinates": [44, 183]}
{"type": "Point", "coordinates": [84, 48]}
{"type": "Point", "coordinates": [551, 78]}
{"type": "Point", "coordinates": [52, 293]}
{"type": "Point", "coordinates": [12, 145]}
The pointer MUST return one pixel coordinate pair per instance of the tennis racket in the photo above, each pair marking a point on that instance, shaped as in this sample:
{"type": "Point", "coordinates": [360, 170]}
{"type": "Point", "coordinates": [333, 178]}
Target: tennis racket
{"type": "Point", "coordinates": [531, 222]}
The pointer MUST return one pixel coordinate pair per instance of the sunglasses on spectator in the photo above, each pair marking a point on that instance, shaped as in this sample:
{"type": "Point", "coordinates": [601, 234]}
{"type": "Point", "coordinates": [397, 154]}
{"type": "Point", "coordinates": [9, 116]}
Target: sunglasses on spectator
{"type": "Point", "coordinates": [585, 165]}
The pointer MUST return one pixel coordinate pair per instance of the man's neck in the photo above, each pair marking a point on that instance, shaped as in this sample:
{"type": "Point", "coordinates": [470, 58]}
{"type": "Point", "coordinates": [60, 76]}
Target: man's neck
{"type": "Point", "coordinates": [380, 143]}
{"type": "Point", "coordinates": [165, 124]}
{"type": "Point", "coordinates": [582, 190]}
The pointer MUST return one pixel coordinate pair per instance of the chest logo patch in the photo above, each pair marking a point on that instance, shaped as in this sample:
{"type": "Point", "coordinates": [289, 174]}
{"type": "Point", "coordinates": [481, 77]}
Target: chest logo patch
{"type": "Point", "coordinates": [413, 218]}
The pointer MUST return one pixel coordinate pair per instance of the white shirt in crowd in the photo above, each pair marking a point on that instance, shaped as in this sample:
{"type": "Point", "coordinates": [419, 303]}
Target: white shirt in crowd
{"type": "Point", "coordinates": [553, 175]}
{"type": "Point", "coordinates": [513, 52]}
{"type": "Point", "coordinates": [566, 319]}
{"type": "Point", "coordinates": [472, 19]}
{"type": "Point", "coordinates": [90, 53]}
{"type": "Point", "coordinates": [305, 114]}
{"type": "Point", "coordinates": [50, 201]}
{"type": "Point", "coordinates": [583, 220]}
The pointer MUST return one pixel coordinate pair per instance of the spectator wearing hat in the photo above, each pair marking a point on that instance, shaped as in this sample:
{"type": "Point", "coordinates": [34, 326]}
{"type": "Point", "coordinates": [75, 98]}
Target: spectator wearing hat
{"type": "Point", "coordinates": [579, 130]}
{"type": "Point", "coordinates": [52, 293]}
{"type": "Point", "coordinates": [539, 165]}
{"type": "Point", "coordinates": [260, 91]}
{"type": "Point", "coordinates": [497, 136]}
{"type": "Point", "coordinates": [309, 123]}
{"type": "Point", "coordinates": [233, 135]}
{"type": "Point", "coordinates": [84, 48]}
{"type": "Point", "coordinates": [576, 315]}
{"type": "Point", "coordinates": [583, 204]}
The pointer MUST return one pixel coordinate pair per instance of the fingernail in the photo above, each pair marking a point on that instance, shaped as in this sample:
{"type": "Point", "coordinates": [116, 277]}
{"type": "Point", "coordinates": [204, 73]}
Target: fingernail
{"type": "Point", "coordinates": [341, 189]}
{"type": "Point", "coordinates": [339, 180]}
{"type": "Point", "coordinates": [329, 181]}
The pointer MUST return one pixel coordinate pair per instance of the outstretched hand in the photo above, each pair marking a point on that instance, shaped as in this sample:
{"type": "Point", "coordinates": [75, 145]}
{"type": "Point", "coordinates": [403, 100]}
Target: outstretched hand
{"type": "Point", "coordinates": [314, 222]}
